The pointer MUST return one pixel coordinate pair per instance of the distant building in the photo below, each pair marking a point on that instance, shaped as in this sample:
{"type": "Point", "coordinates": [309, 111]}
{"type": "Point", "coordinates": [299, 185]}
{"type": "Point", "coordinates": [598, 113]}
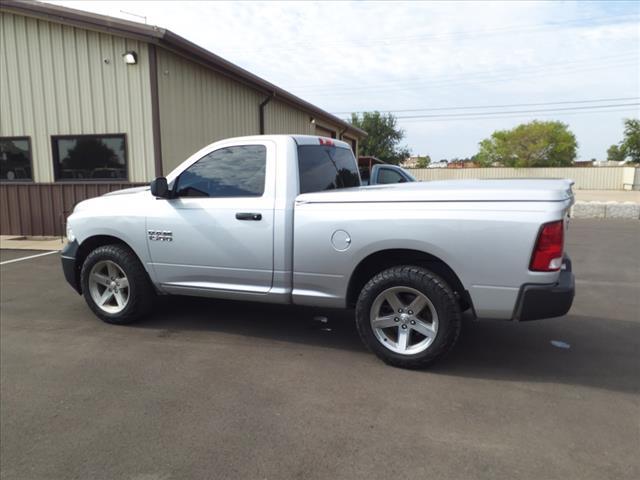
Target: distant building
{"type": "Point", "coordinates": [609, 163]}
{"type": "Point", "coordinates": [466, 163]}
{"type": "Point", "coordinates": [585, 163]}
{"type": "Point", "coordinates": [368, 161]}
{"type": "Point", "coordinates": [439, 164]}
{"type": "Point", "coordinates": [412, 161]}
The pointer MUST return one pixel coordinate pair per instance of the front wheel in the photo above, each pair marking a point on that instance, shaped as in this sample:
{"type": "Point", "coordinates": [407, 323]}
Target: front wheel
{"type": "Point", "coordinates": [408, 316]}
{"type": "Point", "coordinates": [115, 285]}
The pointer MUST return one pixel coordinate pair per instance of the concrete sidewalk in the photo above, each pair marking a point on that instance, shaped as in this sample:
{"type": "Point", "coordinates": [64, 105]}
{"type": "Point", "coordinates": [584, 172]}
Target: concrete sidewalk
{"type": "Point", "coordinates": [17, 242]}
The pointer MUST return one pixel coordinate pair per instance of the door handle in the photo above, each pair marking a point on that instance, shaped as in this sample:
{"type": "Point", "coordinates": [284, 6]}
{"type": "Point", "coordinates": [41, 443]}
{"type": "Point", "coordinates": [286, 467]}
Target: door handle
{"type": "Point", "coordinates": [249, 216]}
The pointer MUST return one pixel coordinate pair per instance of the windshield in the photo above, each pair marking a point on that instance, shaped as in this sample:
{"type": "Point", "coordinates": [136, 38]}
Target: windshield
{"type": "Point", "coordinates": [326, 167]}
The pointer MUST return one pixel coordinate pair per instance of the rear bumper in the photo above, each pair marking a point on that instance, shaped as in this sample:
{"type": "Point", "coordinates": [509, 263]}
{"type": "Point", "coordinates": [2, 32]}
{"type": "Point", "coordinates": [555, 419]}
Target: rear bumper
{"type": "Point", "coordinates": [545, 301]}
{"type": "Point", "coordinates": [68, 258]}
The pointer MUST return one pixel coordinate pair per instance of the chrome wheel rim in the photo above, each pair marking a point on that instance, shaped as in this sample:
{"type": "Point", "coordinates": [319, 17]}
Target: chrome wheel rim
{"type": "Point", "coordinates": [109, 287]}
{"type": "Point", "coordinates": [404, 320]}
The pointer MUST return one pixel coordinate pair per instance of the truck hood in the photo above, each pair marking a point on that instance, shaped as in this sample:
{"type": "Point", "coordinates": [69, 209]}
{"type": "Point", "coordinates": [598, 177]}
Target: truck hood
{"type": "Point", "coordinates": [520, 190]}
{"type": "Point", "coordinates": [111, 199]}
{"type": "Point", "coordinates": [127, 191]}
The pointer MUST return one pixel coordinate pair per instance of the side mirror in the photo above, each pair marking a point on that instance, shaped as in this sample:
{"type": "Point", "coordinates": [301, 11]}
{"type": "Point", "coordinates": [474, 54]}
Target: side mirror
{"type": "Point", "coordinates": [159, 188]}
{"type": "Point", "coordinates": [402, 180]}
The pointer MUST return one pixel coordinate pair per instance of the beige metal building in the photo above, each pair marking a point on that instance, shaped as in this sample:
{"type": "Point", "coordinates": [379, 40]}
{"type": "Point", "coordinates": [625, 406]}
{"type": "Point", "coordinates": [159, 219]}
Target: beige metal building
{"type": "Point", "coordinates": [90, 103]}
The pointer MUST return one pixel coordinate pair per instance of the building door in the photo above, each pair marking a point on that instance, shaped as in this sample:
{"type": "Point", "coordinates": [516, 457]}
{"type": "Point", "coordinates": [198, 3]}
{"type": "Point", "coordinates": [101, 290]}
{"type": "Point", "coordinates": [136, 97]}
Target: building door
{"type": "Point", "coordinates": [217, 233]}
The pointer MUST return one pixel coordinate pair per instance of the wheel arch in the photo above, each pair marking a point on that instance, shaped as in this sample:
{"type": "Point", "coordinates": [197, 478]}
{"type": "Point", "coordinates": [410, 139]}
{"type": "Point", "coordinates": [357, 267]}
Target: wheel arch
{"type": "Point", "coordinates": [383, 259]}
{"type": "Point", "coordinates": [89, 244]}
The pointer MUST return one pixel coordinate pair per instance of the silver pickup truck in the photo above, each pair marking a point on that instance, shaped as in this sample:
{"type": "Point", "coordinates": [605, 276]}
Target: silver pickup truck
{"type": "Point", "coordinates": [283, 219]}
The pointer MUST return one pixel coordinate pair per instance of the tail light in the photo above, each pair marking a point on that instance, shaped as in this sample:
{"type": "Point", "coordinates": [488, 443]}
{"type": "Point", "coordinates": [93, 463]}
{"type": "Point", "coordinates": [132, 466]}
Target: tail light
{"type": "Point", "coordinates": [547, 254]}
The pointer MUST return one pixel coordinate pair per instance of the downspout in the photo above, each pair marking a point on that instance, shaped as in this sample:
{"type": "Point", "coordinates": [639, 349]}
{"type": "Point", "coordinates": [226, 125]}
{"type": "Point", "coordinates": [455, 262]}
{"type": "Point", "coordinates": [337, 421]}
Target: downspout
{"type": "Point", "coordinates": [262, 105]}
{"type": "Point", "coordinates": [342, 132]}
{"type": "Point", "coordinates": [155, 111]}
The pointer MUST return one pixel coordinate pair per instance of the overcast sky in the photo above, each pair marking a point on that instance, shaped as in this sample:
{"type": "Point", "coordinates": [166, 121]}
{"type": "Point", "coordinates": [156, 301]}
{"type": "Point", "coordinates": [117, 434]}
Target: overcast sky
{"type": "Point", "coordinates": [433, 57]}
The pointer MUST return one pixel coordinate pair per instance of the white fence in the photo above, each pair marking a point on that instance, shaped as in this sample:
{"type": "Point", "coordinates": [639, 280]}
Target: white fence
{"type": "Point", "coordinates": [586, 178]}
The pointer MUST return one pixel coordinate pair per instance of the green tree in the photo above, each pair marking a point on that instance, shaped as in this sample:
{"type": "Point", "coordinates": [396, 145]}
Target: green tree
{"type": "Point", "coordinates": [534, 144]}
{"type": "Point", "coordinates": [423, 162]}
{"type": "Point", "coordinates": [631, 142]}
{"type": "Point", "coordinates": [616, 154]}
{"type": "Point", "coordinates": [383, 137]}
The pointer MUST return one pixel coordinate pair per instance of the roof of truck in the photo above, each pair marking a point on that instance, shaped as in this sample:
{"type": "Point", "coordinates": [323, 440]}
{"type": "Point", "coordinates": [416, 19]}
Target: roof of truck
{"type": "Point", "coordinates": [299, 139]}
{"type": "Point", "coordinates": [318, 140]}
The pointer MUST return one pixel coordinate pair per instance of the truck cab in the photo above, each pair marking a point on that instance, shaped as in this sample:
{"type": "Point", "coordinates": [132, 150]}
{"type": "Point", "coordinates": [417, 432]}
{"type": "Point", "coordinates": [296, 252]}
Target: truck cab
{"type": "Point", "coordinates": [374, 171]}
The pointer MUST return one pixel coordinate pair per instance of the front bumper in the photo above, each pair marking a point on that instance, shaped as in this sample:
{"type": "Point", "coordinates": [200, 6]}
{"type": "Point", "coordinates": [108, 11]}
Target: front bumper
{"type": "Point", "coordinates": [68, 258]}
{"type": "Point", "coordinates": [546, 301]}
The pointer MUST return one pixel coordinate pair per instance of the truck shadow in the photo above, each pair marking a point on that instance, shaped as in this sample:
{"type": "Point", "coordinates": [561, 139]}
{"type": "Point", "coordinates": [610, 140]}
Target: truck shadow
{"type": "Point", "coordinates": [286, 323]}
{"type": "Point", "coordinates": [590, 351]}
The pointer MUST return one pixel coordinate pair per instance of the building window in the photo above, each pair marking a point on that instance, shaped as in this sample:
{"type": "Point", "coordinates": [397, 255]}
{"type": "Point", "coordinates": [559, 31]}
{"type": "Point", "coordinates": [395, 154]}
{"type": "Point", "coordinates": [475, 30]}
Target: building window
{"type": "Point", "coordinates": [90, 157]}
{"type": "Point", "coordinates": [15, 159]}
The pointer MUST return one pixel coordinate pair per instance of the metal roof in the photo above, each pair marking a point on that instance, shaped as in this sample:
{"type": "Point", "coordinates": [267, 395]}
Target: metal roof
{"type": "Point", "coordinates": [167, 39]}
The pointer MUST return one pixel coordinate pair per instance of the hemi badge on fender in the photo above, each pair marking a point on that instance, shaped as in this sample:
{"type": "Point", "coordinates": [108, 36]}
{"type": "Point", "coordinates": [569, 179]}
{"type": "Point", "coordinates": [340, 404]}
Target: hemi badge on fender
{"type": "Point", "coordinates": [160, 235]}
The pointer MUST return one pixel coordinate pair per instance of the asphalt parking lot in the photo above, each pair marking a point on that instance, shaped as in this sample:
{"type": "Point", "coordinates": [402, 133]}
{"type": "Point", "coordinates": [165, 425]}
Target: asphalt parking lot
{"type": "Point", "coordinates": [211, 389]}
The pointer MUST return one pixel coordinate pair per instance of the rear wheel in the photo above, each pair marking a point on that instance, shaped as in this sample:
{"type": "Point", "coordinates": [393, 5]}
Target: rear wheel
{"type": "Point", "coordinates": [408, 316]}
{"type": "Point", "coordinates": [115, 285]}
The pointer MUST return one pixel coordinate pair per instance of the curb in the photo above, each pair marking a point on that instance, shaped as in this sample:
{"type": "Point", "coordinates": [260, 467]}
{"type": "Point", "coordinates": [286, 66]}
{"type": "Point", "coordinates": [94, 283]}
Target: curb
{"type": "Point", "coordinates": [620, 210]}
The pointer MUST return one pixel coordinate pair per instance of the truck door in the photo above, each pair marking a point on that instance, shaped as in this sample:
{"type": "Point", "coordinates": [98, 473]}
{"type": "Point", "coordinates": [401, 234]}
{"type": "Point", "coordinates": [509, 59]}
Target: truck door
{"type": "Point", "coordinates": [216, 233]}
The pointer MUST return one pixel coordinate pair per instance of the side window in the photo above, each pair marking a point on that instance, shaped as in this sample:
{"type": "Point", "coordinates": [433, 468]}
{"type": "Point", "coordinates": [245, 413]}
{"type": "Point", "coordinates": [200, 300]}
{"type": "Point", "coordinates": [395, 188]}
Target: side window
{"type": "Point", "coordinates": [323, 167]}
{"type": "Point", "coordinates": [229, 172]}
{"type": "Point", "coordinates": [15, 158]}
{"type": "Point", "coordinates": [386, 175]}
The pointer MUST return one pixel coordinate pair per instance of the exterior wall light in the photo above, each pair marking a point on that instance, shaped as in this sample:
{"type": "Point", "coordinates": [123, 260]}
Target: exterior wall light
{"type": "Point", "coordinates": [130, 57]}
{"type": "Point", "coordinates": [312, 120]}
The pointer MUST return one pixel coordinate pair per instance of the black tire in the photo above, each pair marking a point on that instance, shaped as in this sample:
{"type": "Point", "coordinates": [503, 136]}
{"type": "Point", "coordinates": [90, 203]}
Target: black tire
{"type": "Point", "coordinates": [440, 295]}
{"type": "Point", "coordinates": [140, 294]}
